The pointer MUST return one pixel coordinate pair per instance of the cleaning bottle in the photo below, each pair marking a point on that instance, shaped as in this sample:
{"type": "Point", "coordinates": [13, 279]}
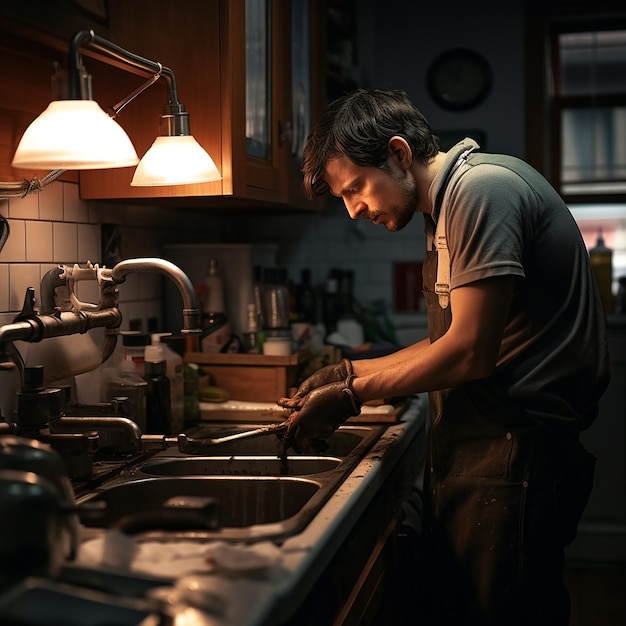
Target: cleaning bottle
{"type": "Point", "coordinates": [216, 327]}
{"type": "Point", "coordinates": [159, 351]}
{"type": "Point", "coordinates": [124, 381]}
{"type": "Point", "coordinates": [133, 348]}
{"type": "Point", "coordinates": [601, 259]}
{"type": "Point", "coordinates": [214, 299]}
{"type": "Point", "coordinates": [191, 378]}
{"type": "Point", "coordinates": [158, 405]}
{"type": "Point", "coordinates": [251, 336]}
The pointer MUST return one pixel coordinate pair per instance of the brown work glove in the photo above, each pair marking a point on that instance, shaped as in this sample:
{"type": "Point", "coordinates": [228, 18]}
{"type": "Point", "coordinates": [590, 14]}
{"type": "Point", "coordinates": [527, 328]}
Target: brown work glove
{"type": "Point", "coordinates": [330, 374]}
{"type": "Point", "coordinates": [320, 413]}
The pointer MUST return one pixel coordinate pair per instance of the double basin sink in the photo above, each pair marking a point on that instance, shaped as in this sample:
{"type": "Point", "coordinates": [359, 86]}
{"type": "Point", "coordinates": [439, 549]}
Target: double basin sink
{"type": "Point", "coordinates": [239, 490]}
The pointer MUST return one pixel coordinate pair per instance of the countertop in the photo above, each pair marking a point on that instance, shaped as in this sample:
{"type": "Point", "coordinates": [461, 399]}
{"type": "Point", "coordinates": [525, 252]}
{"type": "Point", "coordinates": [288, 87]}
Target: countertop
{"type": "Point", "coordinates": [273, 593]}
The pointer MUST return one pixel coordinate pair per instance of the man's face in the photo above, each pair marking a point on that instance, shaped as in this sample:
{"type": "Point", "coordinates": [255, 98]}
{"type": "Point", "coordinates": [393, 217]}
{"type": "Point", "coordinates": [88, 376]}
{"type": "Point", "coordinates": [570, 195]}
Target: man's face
{"type": "Point", "coordinates": [387, 197]}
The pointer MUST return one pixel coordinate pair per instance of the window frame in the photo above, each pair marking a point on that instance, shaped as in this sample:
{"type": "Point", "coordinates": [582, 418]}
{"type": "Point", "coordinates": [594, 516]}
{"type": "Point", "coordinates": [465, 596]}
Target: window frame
{"type": "Point", "coordinates": [543, 104]}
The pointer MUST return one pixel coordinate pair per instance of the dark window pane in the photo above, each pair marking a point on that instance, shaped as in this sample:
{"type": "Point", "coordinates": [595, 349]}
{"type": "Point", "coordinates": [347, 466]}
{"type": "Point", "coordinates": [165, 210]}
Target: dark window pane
{"type": "Point", "coordinates": [593, 63]}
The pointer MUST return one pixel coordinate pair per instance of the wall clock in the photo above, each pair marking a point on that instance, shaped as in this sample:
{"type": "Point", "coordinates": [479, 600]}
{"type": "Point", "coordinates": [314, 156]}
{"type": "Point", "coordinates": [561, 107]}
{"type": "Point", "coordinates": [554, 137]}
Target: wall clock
{"type": "Point", "coordinates": [459, 79]}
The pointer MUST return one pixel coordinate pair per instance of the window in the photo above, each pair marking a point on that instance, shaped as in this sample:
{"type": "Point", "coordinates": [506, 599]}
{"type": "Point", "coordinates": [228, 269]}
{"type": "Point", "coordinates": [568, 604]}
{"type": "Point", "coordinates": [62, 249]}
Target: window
{"type": "Point", "coordinates": [590, 100]}
{"type": "Point", "coordinates": [576, 113]}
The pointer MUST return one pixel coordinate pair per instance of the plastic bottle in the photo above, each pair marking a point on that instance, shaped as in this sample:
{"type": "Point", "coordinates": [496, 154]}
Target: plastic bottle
{"type": "Point", "coordinates": [124, 381]}
{"type": "Point", "coordinates": [601, 259]}
{"type": "Point", "coordinates": [257, 294]}
{"type": "Point", "coordinates": [215, 323]}
{"type": "Point", "coordinates": [216, 332]}
{"type": "Point", "coordinates": [159, 351]}
{"type": "Point", "coordinates": [251, 336]}
{"type": "Point", "coordinates": [191, 376]}
{"type": "Point", "coordinates": [158, 405]}
{"type": "Point", "coordinates": [275, 302]}
{"type": "Point", "coordinates": [133, 348]}
{"type": "Point", "coordinates": [214, 298]}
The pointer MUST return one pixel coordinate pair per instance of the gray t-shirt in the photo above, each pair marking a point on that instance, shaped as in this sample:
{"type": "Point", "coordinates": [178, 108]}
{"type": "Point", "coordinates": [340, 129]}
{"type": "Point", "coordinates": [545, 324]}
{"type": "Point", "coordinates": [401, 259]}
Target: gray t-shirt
{"type": "Point", "coordinates": [504, 218]}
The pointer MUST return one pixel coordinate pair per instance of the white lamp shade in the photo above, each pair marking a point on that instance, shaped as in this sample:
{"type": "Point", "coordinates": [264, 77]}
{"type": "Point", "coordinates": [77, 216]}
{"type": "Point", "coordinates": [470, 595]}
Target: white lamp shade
{"type": "Point", "coordinates": [74, 135]}
{"type": "Point", "coordinates": [178, 160]}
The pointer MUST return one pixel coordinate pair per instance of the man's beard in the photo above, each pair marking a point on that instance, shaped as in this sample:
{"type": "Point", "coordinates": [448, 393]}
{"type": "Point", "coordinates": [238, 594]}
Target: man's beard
{"type": "Point", "coordinates": [404, 212]}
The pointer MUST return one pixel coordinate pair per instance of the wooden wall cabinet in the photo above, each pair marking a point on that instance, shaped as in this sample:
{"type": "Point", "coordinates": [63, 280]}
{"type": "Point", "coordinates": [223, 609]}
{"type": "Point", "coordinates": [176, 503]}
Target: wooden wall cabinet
{"type": "Point", "coordinates": [204, 42]}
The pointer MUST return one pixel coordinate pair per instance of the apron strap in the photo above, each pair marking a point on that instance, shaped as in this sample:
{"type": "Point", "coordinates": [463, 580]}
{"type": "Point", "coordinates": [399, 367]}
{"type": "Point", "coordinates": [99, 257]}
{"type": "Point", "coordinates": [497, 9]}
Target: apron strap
{"type": "Point", "coordinates": [442, 284]}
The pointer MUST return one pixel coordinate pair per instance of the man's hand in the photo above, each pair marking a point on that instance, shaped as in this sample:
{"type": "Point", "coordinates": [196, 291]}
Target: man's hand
{"type": "Point", "coordinates": [330, 374]}
{"type": "Point", "coordinates": [318, 414]}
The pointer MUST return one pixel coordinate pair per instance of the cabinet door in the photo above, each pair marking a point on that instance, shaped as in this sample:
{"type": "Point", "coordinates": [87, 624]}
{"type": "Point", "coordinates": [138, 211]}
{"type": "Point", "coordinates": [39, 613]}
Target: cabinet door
{"type": "Point", "coordinates": [304, 90]}
{"type": "Point", "coordinates": [232, 62]}
{"type": "Point", "coordinates": [185, 38]}
{"type": "Point", "coordinates": [262, 155]}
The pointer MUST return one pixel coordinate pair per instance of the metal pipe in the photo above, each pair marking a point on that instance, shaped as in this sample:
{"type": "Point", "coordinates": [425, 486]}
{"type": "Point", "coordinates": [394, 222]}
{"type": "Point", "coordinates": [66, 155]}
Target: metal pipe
{"type": "Point", "coordinates": [88, 39]}
{"type": "Point", "coordinates": [191, 312]}
{"type": "Point", "coordinates": [49, 282]}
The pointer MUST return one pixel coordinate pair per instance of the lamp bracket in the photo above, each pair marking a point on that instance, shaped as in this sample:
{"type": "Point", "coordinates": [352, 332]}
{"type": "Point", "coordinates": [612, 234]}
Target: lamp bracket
{"type": "Point", "coordinates": [116, 109]}
{"type": "Point", "coordinates": [89, 40]}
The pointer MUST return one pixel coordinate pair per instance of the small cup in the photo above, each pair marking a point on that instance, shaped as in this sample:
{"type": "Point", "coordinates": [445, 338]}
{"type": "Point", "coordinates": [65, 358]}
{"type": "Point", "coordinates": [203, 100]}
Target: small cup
{"type": "Point", "coordinates": [277, 346]}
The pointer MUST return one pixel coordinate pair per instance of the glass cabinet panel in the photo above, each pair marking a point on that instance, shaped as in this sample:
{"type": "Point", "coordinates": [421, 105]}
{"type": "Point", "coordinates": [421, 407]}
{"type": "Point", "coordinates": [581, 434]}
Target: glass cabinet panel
{"type": "Point", "coordinates": [258, 79]}
{"type": "Point", "coordinates": [300, 79]}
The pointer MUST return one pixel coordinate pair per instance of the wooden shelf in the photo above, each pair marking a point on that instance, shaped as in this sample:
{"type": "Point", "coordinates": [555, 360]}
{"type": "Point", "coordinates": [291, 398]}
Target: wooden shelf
{"type": "Point", "coordinates": [219, 358]}
{"type": "Point", "coordinates": [251, 377]}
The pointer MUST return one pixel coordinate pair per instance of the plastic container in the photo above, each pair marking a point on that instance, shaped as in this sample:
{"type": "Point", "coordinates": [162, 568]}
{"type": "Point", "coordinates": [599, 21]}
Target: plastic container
{"type": "Point", "coordinates": [214, 300]}
{"type": "Point", "coordinates": [124, 381]}
{"type": "Point", "coordinates": [159, 351]}
{"type": "Point", "coordinates": [277, 346]}
{"type": "Point", "coordinates": [251, 342]}
{"type": "Point", "coordinates": [133, 349]}
{"type": "Point", "coordinates": [601, 259]}
{"type": "Point", "coordinates": [191, 377]}
{"type": "Point", "coordinates": [216, 332]}
{"type": "Point", "coordinates": [275, 301]}
{"type": "Point", "coordinates": [158, 404]}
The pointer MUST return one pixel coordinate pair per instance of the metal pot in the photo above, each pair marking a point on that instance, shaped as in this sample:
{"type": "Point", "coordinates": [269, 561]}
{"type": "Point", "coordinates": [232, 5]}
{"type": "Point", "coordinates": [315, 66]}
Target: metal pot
{"type": "Point", "coordinates": [39, 528]}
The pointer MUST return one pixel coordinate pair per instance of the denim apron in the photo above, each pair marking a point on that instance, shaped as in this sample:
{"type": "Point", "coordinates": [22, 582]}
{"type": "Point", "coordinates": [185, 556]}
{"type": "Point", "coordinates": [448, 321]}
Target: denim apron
{"type": "Point", "coordinates": [503, 496]}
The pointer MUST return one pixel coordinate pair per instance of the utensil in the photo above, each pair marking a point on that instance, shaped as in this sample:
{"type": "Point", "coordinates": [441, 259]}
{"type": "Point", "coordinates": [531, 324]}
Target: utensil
{"type": "Point", "coordinates": [184, 441]}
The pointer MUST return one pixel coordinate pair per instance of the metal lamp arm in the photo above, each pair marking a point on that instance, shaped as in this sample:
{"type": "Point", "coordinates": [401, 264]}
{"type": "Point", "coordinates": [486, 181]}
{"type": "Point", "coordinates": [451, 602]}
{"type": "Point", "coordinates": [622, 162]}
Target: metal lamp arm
{"type": "Point", "coordinates": [88, 39]}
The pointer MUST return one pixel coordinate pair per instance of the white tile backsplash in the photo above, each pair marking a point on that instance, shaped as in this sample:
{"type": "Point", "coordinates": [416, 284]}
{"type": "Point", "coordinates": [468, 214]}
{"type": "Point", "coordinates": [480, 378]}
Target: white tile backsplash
{"type": "Point", "coordinates": [65, 238]}
{"type": "Point", "coordinates": [25, 208]}
{"type": "Point", "coordinates": [51, 203]}
{"type": "Point", "coordinates": [38, 241]}
{"type": "Point", "coordinates": [88, 291]}
{"type": "Point", "coordinates": [57, 227]}
{"type": "Point", "coordinates": [14, 250]}
{"type": "Point", "coordinates": [89, 243]}
{"type": "Point", "coordinates": [22, 276]}
{"type": "Point", "coordinates": [74, 208]}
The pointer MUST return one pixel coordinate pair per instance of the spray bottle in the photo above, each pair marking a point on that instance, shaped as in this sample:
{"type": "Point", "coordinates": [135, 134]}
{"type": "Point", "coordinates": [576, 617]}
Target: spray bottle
{"type": "Point", "coordinates": [159, 351]}
{"type": "Point", "coordinates": [601, 259]}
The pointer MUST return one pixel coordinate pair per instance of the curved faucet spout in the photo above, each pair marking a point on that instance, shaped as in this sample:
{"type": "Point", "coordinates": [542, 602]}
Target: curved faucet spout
{"type": "Point", "coordinates": [191, 311]}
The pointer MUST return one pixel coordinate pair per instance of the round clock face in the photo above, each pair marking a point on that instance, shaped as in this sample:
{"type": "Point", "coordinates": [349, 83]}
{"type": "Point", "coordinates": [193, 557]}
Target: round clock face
{"type": "Point", "coordinates": [459, 79]}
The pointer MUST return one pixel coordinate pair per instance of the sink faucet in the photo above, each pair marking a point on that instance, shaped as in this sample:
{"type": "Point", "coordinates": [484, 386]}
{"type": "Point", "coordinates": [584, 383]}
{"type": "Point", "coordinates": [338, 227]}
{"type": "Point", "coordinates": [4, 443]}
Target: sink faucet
{"type": "Point", "coordinates": [71, 316]}
{"type": "Point", "coordinates": [191, 312]}
{"type": "Point", "coordinates": [61, 313]}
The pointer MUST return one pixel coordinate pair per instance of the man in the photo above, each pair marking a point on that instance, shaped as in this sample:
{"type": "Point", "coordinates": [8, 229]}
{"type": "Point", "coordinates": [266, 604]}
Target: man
{"type": "Point", "coordinates": [515, 363]}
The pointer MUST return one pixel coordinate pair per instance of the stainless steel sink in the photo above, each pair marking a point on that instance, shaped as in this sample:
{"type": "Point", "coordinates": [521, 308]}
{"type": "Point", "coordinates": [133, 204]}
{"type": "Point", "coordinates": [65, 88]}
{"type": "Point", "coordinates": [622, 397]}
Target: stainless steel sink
{"type": "Point", "coordinates": [259, 495]}
{"type": "Point", "coordinates": [340, 444]}
{"type": "Point", "coordinates": [240, 466]}
{"type": "Point", "coordinates": [244, 501]}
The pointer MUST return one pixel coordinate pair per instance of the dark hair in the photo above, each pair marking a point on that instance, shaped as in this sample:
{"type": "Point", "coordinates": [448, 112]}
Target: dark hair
{"type": "Point", "coordinates": [359, 126]}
